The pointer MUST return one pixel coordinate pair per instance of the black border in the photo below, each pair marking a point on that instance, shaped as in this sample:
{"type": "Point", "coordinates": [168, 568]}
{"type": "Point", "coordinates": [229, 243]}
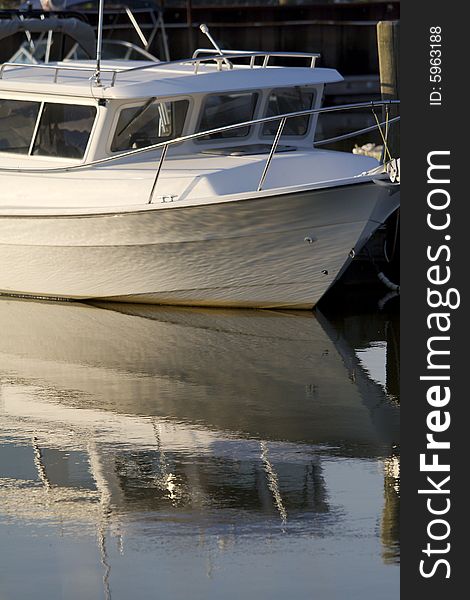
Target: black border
{"type": "Point", "coordinates": [426, 128]}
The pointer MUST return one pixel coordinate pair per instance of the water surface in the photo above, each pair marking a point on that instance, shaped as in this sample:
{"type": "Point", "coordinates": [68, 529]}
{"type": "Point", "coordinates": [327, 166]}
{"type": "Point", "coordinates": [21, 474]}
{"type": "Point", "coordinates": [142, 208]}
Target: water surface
{"type": "Point", "coordinates": [155, 452]}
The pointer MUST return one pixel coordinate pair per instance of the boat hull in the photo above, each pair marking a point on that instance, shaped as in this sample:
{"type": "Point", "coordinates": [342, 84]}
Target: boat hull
{"type": "Point", "coordinates": [278, 251]}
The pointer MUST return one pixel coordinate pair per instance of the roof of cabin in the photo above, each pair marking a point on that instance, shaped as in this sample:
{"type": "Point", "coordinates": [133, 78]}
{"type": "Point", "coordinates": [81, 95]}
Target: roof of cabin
{"type": "Point", "coordinates": [159, 80]}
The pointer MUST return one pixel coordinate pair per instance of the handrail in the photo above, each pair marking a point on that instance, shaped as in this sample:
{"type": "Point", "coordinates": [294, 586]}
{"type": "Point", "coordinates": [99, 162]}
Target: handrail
{"type": "Point", "coordinates": [266, 55]}
{"type": "Point", "coordinates": [345, 136]}
{"type": "Point", "coordinates": [274, 146]}
{"type": "Point", "coordinates": [219, 59]}
{"type": "Point", "coordinates": [57, 68]}
{"type": "Point", "coordinates": [200, 134]}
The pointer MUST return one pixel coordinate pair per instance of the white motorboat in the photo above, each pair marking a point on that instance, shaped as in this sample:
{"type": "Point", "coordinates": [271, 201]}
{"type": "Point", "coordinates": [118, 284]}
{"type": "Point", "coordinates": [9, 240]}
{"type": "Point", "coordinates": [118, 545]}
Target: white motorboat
{"type": "Point", "coordinates": [191, 182]}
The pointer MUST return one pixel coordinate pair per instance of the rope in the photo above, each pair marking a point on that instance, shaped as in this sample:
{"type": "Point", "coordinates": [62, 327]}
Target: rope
{"type": "Point", "coordinates": [384, 138]}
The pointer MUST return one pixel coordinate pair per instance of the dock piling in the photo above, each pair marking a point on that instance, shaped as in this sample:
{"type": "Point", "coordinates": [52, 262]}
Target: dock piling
{"type": "Point", "coordinates": [388, 44]}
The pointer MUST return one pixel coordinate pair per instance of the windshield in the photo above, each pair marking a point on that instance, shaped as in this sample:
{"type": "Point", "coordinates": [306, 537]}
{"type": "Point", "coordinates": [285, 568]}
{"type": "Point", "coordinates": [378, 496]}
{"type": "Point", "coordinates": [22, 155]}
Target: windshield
{"type": "Point", "coordinates": [149, 123]}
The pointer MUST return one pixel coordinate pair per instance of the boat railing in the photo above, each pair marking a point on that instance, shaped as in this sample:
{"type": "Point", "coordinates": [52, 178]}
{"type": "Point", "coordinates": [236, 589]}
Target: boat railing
{"type": "Point", "coordinates": [198, 55]}
{"type": "Point", "coordinates": [225, 58]}
{"type": "Point", "coordinates": [219, 59]}
{"type": "Point", "coordinates": [283, 118]}
{"type": "Point", "coordinates": [56, 69]}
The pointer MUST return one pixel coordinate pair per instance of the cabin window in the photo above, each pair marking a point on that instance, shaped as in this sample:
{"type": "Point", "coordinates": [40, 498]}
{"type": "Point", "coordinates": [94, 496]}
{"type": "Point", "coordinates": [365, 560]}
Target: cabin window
{"type": "Point", "coordinates": [150, 123]}
{"type": "Point", "coordinates": [288, 100]}
{"type": "Point", "coordinates": [17, 121]}
{"type": "Point", "coordinates": [64, 130]}
{"type": "Point", "coordinates": [227, 109]}
{"type": "Point", "coordinates": [45, 128]}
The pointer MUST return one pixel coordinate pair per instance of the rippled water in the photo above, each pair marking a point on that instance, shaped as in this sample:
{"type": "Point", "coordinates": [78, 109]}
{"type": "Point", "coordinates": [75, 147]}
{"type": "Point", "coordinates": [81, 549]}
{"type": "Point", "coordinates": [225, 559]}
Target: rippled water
{"type": "Point", "coordinates": [151, 452]}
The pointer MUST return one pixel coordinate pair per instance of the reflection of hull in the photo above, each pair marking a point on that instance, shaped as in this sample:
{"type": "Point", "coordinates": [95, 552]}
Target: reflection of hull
{"type": "Point", "coordinates": [263, 375]}
{"type": "Point", "coordinates": [249, 252]}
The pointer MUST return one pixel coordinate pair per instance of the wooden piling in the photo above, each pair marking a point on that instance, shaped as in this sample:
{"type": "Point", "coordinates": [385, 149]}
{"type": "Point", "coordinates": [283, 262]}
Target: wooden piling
{"type": "Point", "coordinates": [388, 44]}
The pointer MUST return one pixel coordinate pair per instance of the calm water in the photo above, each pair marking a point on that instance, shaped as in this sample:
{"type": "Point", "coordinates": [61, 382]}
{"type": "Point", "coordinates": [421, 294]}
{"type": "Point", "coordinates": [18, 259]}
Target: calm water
{"type": "Point", "coordinates": [150, 452]}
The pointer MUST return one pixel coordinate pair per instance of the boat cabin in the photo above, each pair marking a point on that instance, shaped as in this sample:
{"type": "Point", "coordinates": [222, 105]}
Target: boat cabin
{"type": "Point", "coordinates": [56, 113]}
{"type": "Point", "coordinates": [206, 115]}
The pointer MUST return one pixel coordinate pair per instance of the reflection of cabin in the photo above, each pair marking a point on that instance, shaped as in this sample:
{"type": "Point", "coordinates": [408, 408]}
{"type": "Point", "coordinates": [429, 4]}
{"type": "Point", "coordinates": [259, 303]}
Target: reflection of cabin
{"type": "Point", "coordinates": [158, 481]}
{"type": "Point", "coordinates": [220, 483]}
{"type": "Point", "coordinates": [233, 481]}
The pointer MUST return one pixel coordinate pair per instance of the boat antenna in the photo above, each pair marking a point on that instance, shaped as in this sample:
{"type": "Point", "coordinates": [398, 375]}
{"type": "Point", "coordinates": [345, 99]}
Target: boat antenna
{"type": "Point", "coordinates": [205, 30]}
{"type": "Point", "coordinates": [99, 43]}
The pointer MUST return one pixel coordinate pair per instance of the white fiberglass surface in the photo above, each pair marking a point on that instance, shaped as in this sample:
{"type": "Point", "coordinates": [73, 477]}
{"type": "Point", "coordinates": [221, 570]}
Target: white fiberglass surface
{"type": "Point", "coordinates": [183, 178]}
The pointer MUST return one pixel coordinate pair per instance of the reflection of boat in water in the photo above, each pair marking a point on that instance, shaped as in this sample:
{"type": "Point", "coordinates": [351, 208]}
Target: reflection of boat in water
{"type": "Point", "coordinates": [204, 419]}
{"type": "Point", "coordinates": [278, 377]}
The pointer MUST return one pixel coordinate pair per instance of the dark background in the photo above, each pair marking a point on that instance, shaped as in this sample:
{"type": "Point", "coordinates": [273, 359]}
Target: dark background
{"type": "Point", "coordinates": [424, 129]}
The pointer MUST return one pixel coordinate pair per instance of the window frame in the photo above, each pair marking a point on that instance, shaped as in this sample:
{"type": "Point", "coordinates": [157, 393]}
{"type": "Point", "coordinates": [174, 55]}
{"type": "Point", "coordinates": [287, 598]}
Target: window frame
{"type": "Point", "coordinates": [251, 128]}
{"type": "Point", "coordinates": [134, 103]}
{"type": "Point", "coordinates": [42, 102]}
{"type": "Point", "coordinates": [270, 136]}
{"type": "Point", "coordinates": [33, 133]}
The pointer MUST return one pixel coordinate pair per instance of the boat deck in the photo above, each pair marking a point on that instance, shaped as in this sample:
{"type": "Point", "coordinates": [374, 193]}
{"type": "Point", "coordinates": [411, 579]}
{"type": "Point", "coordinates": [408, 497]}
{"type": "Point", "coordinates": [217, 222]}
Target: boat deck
{"type": "Point", "coordinates": [184, 179]}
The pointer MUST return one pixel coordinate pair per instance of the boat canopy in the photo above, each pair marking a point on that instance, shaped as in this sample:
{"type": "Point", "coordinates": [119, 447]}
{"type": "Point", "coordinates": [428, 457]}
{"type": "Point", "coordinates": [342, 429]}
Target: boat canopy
{"type": "Point", "coordinates": [78, 30]}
